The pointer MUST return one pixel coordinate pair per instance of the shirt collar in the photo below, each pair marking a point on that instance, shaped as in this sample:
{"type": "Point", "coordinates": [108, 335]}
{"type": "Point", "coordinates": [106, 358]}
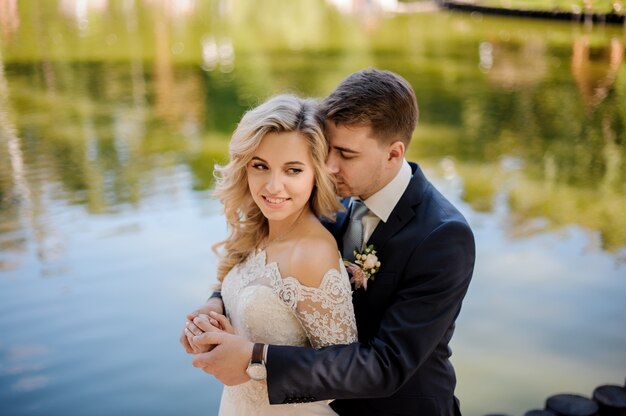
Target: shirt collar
{"type": "Point", "coordinates": [385, 200]}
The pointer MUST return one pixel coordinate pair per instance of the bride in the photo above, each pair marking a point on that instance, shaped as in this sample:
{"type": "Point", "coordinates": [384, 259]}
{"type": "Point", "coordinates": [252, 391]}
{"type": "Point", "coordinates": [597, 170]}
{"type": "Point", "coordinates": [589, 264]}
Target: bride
{"type": "Point", "coordinates": [282, 278]}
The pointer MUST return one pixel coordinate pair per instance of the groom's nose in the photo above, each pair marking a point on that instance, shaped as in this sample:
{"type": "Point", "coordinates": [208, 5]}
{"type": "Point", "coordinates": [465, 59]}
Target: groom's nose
{"type": "Point", "coordinates": [332, 164]}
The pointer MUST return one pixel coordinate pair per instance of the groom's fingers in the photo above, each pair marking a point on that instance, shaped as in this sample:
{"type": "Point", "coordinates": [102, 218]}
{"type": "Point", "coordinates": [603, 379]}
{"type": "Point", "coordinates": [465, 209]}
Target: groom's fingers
{"type": "Point", "coordinates": [204, 361]}
{"type": "Point", "coordinates": [207, 338]}
{"type": "Point", "coordinates": [228, 360]}
{"type": "Point", "coordinates": [207, 361]}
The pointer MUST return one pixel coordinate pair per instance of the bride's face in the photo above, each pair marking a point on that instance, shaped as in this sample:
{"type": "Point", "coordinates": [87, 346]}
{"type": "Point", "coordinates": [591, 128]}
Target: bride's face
{"type": "Point", "coordinates": [281, 176]}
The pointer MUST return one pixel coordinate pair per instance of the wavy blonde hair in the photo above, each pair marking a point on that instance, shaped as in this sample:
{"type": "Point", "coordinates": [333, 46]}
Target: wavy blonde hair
{"type": "Point", "coordinates": [246, 224]}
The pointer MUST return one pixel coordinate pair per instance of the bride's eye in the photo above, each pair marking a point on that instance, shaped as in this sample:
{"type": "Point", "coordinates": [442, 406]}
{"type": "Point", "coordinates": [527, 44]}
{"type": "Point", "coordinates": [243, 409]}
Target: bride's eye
{"type": "Point", "coordinates": [259, 166]}
{"type": "Point", "coordinates": [294, 171]}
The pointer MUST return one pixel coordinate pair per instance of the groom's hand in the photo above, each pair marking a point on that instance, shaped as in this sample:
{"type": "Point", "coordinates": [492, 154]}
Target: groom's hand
{"type": "Point", "coordinates": [191, 330]}
{"type": "Point", "coordinates": [228, 361]}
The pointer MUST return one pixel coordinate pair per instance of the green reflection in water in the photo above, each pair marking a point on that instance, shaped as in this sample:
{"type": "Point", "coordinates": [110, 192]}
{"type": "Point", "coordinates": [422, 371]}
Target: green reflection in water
{"type": "Point", "coordinates": [104, 97]}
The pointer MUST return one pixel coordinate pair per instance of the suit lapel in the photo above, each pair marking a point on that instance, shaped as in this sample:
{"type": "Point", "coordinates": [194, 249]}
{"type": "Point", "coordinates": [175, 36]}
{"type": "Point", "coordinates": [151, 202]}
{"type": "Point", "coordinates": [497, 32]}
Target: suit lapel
{"type": "Point", "coordinates": [384, 231]}
{"type": "Point", "coordinates": [403, 212]}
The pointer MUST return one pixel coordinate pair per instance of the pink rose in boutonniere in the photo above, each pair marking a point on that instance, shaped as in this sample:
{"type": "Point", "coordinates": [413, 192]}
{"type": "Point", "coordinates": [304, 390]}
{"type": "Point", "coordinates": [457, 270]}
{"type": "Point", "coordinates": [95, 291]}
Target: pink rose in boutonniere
{"type": "Point", "coordinates": [365, 266]}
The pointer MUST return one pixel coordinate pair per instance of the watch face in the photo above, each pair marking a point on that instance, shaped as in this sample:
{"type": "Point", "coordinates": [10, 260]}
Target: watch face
{"type": "Point", "coordinates": [257, 371]}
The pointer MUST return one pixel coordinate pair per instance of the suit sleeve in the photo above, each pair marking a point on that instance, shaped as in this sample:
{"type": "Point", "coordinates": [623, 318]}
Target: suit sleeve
{"type": "Point", "coordinates": [424, 308]}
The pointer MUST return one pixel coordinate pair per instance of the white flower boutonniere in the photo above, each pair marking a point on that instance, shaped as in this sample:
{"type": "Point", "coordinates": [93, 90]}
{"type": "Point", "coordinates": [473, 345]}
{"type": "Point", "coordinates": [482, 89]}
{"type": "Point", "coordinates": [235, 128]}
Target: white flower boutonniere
{"type": "Point", "coordinates": [364, 268]}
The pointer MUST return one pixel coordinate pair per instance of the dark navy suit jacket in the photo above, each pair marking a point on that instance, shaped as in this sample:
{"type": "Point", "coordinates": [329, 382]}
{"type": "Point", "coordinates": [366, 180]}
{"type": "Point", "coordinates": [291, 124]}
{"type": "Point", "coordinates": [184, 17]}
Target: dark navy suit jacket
{"type": "Point", "coordinates": [405, 319]}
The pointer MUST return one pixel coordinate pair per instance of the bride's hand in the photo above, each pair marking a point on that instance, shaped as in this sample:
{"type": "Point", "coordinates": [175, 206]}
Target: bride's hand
{"type": "Point", "coordinates": [190, 330]}
{"type": "Point", "coordinates": [213, 322]}
{"type": "Point", "coordinates": [205, 323]}
{"type": "Point", "coordinates": [192, 346]}
{"type": "Point", "coordinates": [222, 322]}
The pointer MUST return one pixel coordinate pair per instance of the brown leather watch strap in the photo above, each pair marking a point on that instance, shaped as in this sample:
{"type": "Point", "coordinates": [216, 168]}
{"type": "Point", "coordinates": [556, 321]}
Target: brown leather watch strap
{"type": "Point", "coordinates": [257, 353]}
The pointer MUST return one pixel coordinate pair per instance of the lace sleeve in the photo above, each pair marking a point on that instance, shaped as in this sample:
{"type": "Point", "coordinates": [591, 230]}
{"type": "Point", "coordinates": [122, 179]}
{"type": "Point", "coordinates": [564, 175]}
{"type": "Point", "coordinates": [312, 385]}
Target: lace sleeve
{"type": "Point", "coordinates": [326, 312]}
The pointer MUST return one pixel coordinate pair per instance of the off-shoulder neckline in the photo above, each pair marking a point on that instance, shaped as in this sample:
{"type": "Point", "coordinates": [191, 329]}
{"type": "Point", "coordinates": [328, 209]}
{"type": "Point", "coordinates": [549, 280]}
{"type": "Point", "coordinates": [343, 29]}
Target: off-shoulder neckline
{"type": "Point", "coordinates": [273, 265]}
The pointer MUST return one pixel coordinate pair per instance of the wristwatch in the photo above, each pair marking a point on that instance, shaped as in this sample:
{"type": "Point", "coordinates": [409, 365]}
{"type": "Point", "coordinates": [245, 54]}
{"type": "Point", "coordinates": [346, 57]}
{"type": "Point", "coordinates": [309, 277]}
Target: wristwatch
{"type": "Point", "coordinates": [256, 369]}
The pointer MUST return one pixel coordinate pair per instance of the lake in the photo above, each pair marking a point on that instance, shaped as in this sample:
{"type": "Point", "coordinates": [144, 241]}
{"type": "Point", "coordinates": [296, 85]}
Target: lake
{"type": "Point", "coordinates": [113, 114]}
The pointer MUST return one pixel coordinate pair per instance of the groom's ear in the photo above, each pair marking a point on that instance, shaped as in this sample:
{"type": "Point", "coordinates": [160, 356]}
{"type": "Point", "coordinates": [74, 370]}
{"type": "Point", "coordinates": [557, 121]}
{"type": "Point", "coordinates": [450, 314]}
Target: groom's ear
{"type": "Point", "coordinates": [396, 151]}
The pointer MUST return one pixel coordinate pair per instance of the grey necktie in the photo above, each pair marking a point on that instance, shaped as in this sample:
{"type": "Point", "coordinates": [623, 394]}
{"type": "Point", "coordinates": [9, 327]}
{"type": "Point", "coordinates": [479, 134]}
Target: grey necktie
{"type": "Point", "coordinates": [353, 238]}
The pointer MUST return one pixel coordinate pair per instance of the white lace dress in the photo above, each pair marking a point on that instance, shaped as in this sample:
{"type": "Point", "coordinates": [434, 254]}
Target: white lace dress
{"type": "Point", "coordinates": [265, 307]}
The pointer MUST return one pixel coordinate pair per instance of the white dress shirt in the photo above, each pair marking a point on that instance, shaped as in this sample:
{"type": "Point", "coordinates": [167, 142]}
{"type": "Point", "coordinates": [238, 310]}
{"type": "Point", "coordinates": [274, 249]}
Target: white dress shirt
{"type": "Point", "coordinates": [384, 201]}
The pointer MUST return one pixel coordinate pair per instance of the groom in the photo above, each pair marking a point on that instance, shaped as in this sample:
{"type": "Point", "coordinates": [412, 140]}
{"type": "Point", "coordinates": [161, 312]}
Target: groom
{"type": "Point", "coordinates": [405, 317]}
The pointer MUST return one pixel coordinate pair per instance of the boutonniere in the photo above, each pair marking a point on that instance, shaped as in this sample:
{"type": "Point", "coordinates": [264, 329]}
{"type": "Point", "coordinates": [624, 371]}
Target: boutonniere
{"type": "Point", "coordinates": [364, 268]}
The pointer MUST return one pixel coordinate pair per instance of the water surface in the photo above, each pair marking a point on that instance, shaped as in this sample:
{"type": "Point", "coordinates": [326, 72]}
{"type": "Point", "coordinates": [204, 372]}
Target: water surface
{"type": "Point", "coordinates": [113, 113]}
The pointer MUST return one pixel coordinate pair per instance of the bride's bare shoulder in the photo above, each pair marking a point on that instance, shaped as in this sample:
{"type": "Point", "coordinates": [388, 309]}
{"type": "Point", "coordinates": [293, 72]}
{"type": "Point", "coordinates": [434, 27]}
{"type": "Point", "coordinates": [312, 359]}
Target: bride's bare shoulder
{"type": "Point", "coordinates": [313, 256]}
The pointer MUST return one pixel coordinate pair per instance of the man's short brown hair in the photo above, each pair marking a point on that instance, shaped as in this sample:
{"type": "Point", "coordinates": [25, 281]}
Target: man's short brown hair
{"type": "Point", "coordinates": [381, 99]}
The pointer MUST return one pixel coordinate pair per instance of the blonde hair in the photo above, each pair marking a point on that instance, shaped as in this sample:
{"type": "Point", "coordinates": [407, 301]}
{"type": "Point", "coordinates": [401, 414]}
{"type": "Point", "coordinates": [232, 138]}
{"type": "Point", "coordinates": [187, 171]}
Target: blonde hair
{"type": "Point", "coordinates": [246, 223]}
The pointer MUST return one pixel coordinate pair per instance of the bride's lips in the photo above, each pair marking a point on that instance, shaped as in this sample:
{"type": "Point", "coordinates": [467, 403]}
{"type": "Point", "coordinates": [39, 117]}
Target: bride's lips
{"type": "Point", "coordinates": [274, 202]}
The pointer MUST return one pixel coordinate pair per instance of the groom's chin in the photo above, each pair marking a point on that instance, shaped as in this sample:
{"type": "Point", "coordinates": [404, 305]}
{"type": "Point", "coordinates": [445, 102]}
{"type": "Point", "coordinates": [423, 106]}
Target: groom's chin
{"type": "Point", "coordinates": [342, 191]}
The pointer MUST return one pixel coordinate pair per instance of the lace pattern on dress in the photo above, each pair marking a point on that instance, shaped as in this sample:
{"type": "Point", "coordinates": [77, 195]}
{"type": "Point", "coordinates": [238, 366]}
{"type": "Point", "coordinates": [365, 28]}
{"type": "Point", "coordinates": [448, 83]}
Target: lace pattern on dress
{"type": "Point", "coordinates": [325, 312]}
{"type": "Point", "coordinates": [325, 315]}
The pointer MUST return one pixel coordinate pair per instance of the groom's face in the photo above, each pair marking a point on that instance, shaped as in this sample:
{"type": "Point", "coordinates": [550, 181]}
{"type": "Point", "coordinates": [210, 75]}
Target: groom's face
{"type": "Point", "coordinates": [356, 159]}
